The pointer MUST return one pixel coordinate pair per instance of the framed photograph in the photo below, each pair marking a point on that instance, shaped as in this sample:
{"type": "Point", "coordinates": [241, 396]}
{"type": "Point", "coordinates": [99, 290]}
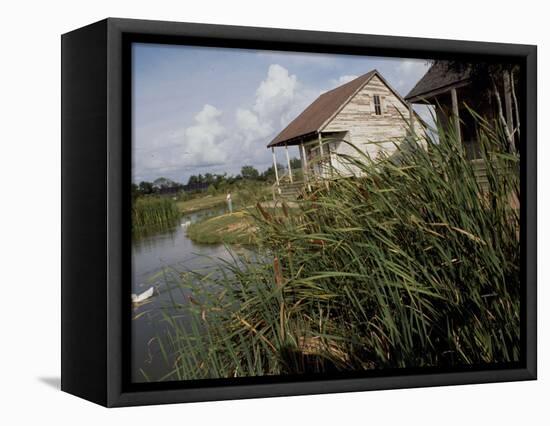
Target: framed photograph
{"type": "Point", "coordinates": [254, 212]}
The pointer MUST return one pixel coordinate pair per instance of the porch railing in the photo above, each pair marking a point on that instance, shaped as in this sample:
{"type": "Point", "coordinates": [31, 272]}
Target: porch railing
{"type": "Point", "coordinates": [285, 178]}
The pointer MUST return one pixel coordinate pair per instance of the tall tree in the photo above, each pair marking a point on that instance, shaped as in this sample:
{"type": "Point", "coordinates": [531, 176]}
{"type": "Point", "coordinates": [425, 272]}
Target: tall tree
{"type": "Point", "coordinates": [145, 188]}
{"type": "Point", "coordinates": [269, 173]}
{"type": "Point", "coordinates": [295, 163]}
{"type": "Point", "coordinates": [250, 172]}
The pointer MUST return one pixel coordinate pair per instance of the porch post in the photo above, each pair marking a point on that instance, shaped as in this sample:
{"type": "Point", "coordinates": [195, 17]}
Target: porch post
{"type": "Point", "coordinates": [304, 158]}
{"type": "Point", "coordinates": [321, 153]}
{"type": "Point", "coordinates": [411, 118]}
{"type": "Point", "coordinates": [305, 170]}
{"type": "Point", "coordinates": [288, 163]}
{"type": "Point", "coordinates": [456, 117]}
{"type": "Point", "coordinates": [329, 155]}
{"type": "Point", "coordinates": [275, 165]}
{"type": "Point", "coordinates": [508, 103]}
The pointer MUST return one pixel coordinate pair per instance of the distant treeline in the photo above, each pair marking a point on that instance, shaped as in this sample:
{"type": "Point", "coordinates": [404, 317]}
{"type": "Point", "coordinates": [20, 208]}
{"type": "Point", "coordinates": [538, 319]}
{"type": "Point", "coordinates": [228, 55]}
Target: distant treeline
{"type": "Point", "coordinates": [208, 181]}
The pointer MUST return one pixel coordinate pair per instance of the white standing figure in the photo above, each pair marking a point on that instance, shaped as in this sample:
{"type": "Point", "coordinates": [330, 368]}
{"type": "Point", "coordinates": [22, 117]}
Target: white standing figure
{"type": "Point", "coordinates": [229, 203]}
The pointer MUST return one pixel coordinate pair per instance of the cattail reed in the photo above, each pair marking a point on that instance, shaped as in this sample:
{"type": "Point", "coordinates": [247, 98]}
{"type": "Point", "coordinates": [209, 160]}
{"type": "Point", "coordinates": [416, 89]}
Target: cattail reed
{"type": "Point", "coordinates": [414, 262]}
{"type": "Point", "coordinates": [154, 211]}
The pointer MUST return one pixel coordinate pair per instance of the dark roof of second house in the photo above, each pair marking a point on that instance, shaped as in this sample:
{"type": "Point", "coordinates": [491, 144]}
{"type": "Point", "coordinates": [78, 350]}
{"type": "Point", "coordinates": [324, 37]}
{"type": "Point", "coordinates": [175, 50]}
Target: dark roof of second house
{"type": "Point", "coordinates": [437, 78]}
{"type": "Point", "coordinates": [322, 109]}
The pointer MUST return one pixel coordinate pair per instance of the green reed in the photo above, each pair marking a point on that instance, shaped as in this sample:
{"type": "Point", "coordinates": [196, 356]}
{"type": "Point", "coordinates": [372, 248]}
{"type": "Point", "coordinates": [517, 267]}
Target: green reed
{"type": "Point", "coordinates": [153, 212]}
{"type": "Point", "coordinates": [413, 264]}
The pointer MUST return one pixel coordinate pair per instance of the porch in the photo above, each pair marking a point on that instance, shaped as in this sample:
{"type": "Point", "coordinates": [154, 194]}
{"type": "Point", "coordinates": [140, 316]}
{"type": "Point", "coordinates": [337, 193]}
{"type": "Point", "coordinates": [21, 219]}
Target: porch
{"type": "Point", "coordinates": [316, 160]}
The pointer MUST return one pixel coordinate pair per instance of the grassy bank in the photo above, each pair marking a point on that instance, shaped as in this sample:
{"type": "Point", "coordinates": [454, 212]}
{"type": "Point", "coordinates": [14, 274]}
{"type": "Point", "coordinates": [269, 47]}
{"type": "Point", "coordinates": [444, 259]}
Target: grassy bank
{"type": "Point", "coordinates": [415, 264]}
{"type": "Point", "coordinates": [241, 194]}
{"type": "Point", "coordinates": [203, 202]}
{"type": "Point", "coordinates": [236, 228]}
{"type": "Point", "coordinates": [230, 228]}
{"type": "Point", "coordinates": [153, 212]}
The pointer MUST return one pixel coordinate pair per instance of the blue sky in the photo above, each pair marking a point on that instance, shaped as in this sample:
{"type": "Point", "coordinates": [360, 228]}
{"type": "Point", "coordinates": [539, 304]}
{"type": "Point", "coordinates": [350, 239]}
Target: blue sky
{"type": "Point", "coordinates": [201, 109]}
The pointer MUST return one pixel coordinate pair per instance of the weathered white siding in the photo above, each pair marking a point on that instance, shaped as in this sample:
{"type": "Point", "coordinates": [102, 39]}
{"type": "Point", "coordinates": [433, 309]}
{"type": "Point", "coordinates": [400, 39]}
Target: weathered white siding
{"type": "Point", "coordinates": [370, 132]}
{"type": "Point", "coordinates": [357, 124]}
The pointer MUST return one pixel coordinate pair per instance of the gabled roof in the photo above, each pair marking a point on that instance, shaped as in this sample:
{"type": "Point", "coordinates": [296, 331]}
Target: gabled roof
{"type": "Point", "coordinates": [437, 79]}
{"type": "Point", "coordinates": [313, 118]}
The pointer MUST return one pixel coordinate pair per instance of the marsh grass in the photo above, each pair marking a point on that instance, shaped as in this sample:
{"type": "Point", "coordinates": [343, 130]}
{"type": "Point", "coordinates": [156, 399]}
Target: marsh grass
{"type": "Point", "coordinates": [229, 228]}
{"type": "Point", "coordinates": [153, 212]}
{"type": "Point", "coordinates": [242, 194]}
{"type": "Point", "coordinates": [413, 264]}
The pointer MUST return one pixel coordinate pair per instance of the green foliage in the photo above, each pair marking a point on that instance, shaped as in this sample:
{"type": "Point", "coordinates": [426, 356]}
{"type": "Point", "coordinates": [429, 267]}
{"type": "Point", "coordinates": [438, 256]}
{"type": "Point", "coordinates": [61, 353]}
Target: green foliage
{"type": "Point", "coordinates": [145, 188]}
{"type": "Point", "coordinates": [213, 184]}
{"type": "Point", "coordinates": [153, 211]}
{"type": "Point", "coordinates": [249, 172]}
{"type": "Point", "coordinates": [163, 183]}
{"type": "Point", "coordinates": [269, 173]}
{"type": "Point", "coordinates": [211, 190]}
{"type": "Point", "coordinates": [208, 178]}
{"type": "Point", "coordinates": [183, 196]}
{"type": "Point", "coordinates": [295, 163]}
{"type": "Point", "coordinates": [413, 264]}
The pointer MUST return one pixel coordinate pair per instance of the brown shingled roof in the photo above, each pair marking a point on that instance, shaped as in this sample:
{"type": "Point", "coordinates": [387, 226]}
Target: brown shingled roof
{"type": "Point", "coordinates": [323, 108]}
{"type": "Point", "coordinates": [439, 76]}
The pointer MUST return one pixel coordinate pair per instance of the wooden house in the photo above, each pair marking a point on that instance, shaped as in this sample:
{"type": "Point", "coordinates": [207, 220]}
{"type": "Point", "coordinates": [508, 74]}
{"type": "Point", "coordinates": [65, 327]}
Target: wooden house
{"type": "Point", "coordinates": [456, 91]}
{"type": "Point", "coordinates": [365, 112]}
{"type": "Point", "coordinates": [452, 92]}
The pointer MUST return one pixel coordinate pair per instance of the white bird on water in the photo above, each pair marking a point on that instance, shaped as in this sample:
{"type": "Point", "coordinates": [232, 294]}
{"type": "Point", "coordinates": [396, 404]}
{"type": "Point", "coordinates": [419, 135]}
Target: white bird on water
{"type": "Point", "coordinates": [138, 298]}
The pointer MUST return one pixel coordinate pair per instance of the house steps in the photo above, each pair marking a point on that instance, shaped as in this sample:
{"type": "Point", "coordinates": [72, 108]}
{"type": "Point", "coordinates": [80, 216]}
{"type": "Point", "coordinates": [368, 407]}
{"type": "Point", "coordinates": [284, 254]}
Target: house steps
{"type": "Point", "coordinates": [290, 190]}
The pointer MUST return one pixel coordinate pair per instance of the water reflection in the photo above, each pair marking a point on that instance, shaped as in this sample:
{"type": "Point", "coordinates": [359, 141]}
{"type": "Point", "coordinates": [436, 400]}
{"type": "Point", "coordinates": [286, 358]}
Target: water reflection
{"type": "Point", "coordinates": [158, 259]}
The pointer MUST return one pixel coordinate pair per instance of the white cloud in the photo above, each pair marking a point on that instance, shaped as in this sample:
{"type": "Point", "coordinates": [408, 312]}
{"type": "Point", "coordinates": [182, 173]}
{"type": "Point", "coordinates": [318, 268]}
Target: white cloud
{"type": "Point", "coordinates": [279, 98]}
{"type": "Point", "coordinates": [276, 93]}
{"type": "Point", "coordinates": [207, 143]}
{"type": "Point", "coordinates": [203, 141]}
{"type": "Point", "coordinates": [410, 71]}
{"type": "Point", "coordinates": [250, 126]}
{"type": "Point", "coordinates": [276, 100]}
{"type": "Point", "coordinates": [343, 79]}
{"type": "Point", "coordinates": [337, 82]}
{"type": "Point", "coordinates": [199, 145]}
{"type": "Point", "coordinates": [411, 65]}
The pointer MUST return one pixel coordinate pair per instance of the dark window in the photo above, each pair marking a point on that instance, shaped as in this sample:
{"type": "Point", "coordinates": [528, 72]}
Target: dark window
{"type": "Point", "coordinates": [377, 108]}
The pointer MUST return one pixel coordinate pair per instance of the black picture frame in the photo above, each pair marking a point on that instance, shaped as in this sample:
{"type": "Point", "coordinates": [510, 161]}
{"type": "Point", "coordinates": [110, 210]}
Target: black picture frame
{"type": "Point", "coordinates": [96, 90]}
